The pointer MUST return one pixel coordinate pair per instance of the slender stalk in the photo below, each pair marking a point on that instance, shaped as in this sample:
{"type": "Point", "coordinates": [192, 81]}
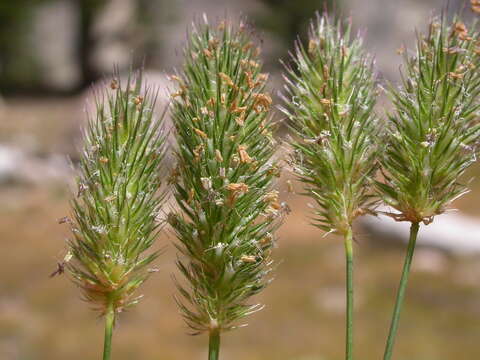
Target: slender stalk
{"type": "Point", "coordinates": [214, 345]}
{"type": "Point", "coordinates": [109, 321]}
{"type": "Point", "coordinates": [349, 293]}
{"type": "Point", "coordinates": [401, 292]}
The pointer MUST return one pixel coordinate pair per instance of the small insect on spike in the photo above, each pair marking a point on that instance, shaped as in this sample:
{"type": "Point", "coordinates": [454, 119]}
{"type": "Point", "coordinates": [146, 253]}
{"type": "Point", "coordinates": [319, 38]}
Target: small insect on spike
{"type": "Point", "coordinates": [114, 215]}
{"type": "Point", "coordinates": [221, 122]}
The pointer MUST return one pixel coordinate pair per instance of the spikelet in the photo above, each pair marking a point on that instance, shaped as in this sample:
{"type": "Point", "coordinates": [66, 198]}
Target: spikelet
{"type": "Point", "coordinates": [433, 131]}
{"type": "Point", "coordinates": [329, 102]}
{"type": "Point", "coordinates": [225, 219]}
{"type": "Point", "coordinates": [115, 213]}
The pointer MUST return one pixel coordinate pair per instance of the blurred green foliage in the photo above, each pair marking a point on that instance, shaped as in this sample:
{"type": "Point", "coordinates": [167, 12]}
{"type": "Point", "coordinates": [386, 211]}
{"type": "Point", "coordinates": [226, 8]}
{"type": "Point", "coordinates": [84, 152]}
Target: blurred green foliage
{"type": "Point", "coordinates": [17, 66]}
{"type": "Point", "coordinates": [292, 17]}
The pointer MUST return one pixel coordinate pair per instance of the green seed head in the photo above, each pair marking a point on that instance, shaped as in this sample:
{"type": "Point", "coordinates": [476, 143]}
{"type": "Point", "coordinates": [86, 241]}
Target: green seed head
{"type": "Point", "coordinates": [115, 211]}
{"type": "Point", "coordinates": [433, 130]}
{"type": "Point", "coordinates": [224, 177]}
{"type": "Point", "coordinates": [330, 96]}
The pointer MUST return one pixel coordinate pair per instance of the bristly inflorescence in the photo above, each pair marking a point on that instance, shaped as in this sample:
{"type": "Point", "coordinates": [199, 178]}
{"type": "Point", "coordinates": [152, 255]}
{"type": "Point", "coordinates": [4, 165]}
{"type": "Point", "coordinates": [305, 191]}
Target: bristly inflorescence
{"type": "Point", "coordinates": [115, 213]}
{"type": "Point", "coordinates": [224, 177]}
{"type": "Point", "coordinates": [434, 127]}
{"type": "Point", "coordinates": [330, 96]}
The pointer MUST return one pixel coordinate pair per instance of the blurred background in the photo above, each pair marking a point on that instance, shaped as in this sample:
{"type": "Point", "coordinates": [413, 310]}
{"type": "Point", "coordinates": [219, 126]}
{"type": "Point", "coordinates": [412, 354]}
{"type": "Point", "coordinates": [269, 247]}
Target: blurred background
{"type": "Point", "coordinates": [52, 51]}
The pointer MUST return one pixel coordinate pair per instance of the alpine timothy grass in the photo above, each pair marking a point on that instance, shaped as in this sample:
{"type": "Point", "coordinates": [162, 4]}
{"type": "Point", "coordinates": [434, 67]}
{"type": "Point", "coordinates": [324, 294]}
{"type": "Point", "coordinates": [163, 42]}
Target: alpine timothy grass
{"type": "Point", "coordinates": [432, 133]}
{"type": "Point", "coordinates": [329, 100]}
{"type": "Point", "coordinates": [223, 182]}
{"type": "Point", "coordinates": [115, 212]}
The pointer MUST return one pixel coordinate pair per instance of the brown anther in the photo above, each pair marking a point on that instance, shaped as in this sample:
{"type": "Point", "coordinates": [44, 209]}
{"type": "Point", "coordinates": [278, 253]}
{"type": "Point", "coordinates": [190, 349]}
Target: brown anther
{"type": "Point", "coordinates": [461, 30]}
{"type": "Point", "coordinates": [262, 102]}
{"type": "Point", "coordinates": [325, 72]}
{"type": "Point", "coordinates": [274, 170]}
{"type": "Point", "coordinates": [207, 53]}
{"type": "Point", "coordinates": [247, 47]}
{"type": "Point", "coordinates": [176, 94]}
{"type": "Point", "coordinates": [249, 258]}
{"type": "Point", "coordinates": [455, 75]}
{"type": "Point", "coordinates": [240, 120]}
{"type": "Point", "coordinates": [459, 27]}
{"type": "Point", "coordinates": [326, 102]}
{"type": "Point", "coordinates": [198, 151]}
{"type": "Point", "coordinates": [200, 133]}
{"type": "Point", "coordinates": [213, 43]}
{"type": "Point", "coordinates": [191, 195]}
{"type": "Point", "coordinates": [401, 50]}
{"type": "Point", "coordinates": [110, 198]}
{"type": "Point", "coordinates": [103, 160]}
{"type": "Point", "coordinates": [475, 6]}
{"type": "Point", "coordinates": [244, 157]}
{"type": "Point", "coordinates": [238, 110]}
{"type": "Point", "coordinates": [266, 240]}
{"type": "Point", "coordinates": [138, 100]}
{"type": "Point", "coordinates": [226, 79]}
{"type": "Point", "coordinates": [236, 189]}
{"type": "Point", "coordinates": [452, 50]}
{"type": "Point", "coordinates": [218, 155]}
{"type": "Point", "coordinates": [114, 84]}
{"type": "Point", "coordinates": [271, 198]}
{"type": "Point", "coordinates": [250, 82]}
{"type": "Point", "coordinates": [211, 102]}
{"type": "Point", "coordinates": [221, 26]}
{"type": "Point", "coordinates": [263, 77]}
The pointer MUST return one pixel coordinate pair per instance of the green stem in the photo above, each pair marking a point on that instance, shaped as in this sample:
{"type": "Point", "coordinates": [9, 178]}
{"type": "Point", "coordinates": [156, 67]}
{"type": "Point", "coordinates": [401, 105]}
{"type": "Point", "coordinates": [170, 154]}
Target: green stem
{"type": "Point", "coordinates": [214, 344]}
{"type": "Point", "coordinates": [349, 295]}
{"type": "Point", "coordinates": [401, 292]}
{"type": "Point", "coordinates": [109, 321]}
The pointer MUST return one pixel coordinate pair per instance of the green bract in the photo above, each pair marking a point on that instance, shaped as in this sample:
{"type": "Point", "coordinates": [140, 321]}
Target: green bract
{"type": "Point", "coordinates": [223, 180]}
{"type": "Point", "coordinates": [330, 96]}
{"type": "Point", "coordinates": [432, 135]}
{"type": "Point", "coordinates": [116, 209]}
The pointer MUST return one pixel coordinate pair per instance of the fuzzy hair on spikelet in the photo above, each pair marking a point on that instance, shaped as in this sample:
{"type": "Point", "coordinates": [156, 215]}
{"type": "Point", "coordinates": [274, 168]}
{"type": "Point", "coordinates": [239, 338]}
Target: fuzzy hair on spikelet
{"type": "Point", "coordinates": [434, 128]}
{"type": "Point", "coordinates": [115, 212]}
{"type": "Point", "coordinates": [224, 177]}
{"type": "Point", "coordinates": [329, 100]}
